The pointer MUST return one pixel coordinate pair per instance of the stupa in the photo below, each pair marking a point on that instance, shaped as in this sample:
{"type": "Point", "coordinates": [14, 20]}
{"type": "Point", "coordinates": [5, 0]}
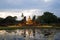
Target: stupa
{"type": "Point", "coordinates": [29, 21]}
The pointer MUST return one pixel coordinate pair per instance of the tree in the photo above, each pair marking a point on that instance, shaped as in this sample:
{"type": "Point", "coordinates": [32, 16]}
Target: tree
{"type": "Point", "coordinates": [1, 19]}
{"type": "Point", "coordinates": [39, 19]}
{"type": "Point", "coordinates": [34, 18]}
{"type": "Point", "coordinates": [59, 20]}
{"type": "Point", "coordinates": [47, 17]}
{"type": "Point", "coordinates": [9, 20]}
{"type": "Point", "coordinates": [22, 15]}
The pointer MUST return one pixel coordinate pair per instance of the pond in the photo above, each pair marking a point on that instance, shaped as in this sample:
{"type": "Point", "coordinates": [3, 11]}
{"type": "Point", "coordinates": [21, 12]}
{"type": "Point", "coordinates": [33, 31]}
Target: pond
{"type": "Point", "coordinates": [30, 34]}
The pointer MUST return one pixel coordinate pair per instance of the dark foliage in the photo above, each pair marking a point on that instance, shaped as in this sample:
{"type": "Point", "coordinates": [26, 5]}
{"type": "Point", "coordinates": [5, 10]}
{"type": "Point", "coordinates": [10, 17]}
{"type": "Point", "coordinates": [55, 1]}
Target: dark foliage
{"type": "Point", "coordinates": [47, 17]}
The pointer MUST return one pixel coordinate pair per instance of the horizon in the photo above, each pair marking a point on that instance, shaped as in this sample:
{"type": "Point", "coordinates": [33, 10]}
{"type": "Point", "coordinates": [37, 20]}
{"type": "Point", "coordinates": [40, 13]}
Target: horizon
{"type": "Point", "coordinates": [18, 13]}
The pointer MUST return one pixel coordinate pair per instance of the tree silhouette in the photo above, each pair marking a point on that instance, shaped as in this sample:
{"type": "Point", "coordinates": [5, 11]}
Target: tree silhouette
{"type": "Point", "coordinates": [34, 18]}
{"type": "Point", "coordinates": [47, 17]}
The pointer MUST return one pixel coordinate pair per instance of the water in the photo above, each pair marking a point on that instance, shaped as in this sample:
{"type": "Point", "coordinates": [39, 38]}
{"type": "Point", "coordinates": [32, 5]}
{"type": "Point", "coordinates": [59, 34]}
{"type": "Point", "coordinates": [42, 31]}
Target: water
{"type": "Point", "coordinates": [30, 34]}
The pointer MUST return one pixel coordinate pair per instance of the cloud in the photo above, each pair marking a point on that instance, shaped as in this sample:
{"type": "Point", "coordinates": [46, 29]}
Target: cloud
{"type": "Point", "coordinates": [26, 12]}
{"type": "Point", "coordinates": [52, 5]}
{"type": "Point", "coordinates": [23, 4]}
{"type": "Point", "coordinates": [14, 2]}
{"type": "Point", "coordinates": [30, 12]}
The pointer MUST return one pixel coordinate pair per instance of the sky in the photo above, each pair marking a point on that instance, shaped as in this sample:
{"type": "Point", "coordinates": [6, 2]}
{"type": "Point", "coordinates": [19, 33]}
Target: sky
{"type": "Point", "coordinates": [29, 7]}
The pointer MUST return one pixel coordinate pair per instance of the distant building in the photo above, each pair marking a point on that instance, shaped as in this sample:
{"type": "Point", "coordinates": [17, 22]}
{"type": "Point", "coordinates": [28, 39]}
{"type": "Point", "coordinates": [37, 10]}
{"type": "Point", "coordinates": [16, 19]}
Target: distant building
{"type": "Point", "coordinates": [25, 22]}
{"type": "Point", "coordinates": [29, 21]}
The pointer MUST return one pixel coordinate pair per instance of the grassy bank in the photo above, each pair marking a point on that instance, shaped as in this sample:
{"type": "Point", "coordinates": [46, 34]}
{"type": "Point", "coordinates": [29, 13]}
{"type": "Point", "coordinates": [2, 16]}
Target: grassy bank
{"type": "Point", "coordinates": [27, 27]}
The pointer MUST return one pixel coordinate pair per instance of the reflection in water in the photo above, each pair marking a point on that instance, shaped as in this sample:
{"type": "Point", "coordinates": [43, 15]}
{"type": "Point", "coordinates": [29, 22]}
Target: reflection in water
{"type": "Point", "coordinates": [29, 34]}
